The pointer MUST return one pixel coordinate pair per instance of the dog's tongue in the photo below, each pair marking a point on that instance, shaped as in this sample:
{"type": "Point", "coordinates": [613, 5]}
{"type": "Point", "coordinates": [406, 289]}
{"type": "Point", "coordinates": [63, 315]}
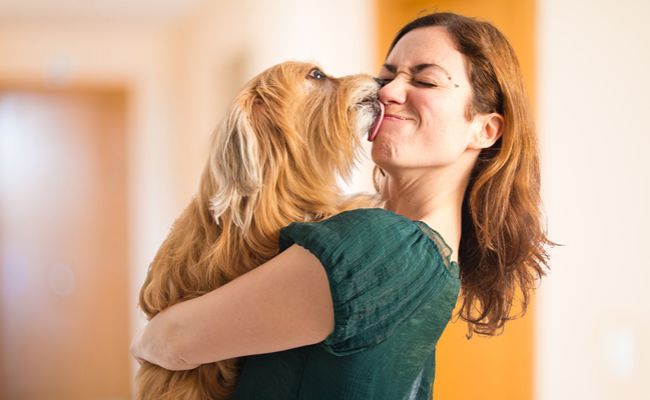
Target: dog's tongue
{"type": "Point", "coordinates": [372, 134]}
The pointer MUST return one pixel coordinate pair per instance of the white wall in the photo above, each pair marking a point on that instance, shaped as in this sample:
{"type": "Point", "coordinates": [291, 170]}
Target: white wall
{"type": "Point", "coordinates": [594, 309]}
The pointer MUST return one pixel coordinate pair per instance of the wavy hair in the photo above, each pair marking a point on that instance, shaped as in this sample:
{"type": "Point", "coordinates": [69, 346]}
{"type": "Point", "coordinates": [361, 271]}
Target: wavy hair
{"type": "Point", "coordinates": [503, 244]}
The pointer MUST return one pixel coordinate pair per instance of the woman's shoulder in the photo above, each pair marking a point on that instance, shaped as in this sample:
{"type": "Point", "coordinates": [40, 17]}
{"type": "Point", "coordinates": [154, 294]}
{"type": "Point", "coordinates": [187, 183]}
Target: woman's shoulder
{"type": "Point", "coordinates": [367, 218]}
{"type": "Point", "coordinates": [379, 222]}
{"type": "Point", "coordinates": [348, 232]}
{"type": "Point", "coordinates": [360, 232]}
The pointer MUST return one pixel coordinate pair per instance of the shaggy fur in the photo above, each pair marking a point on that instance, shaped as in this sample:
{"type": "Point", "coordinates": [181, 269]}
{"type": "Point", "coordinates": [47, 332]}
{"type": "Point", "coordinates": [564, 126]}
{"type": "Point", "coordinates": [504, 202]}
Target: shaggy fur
{"type": "Point", "coordinates": [274, 160]}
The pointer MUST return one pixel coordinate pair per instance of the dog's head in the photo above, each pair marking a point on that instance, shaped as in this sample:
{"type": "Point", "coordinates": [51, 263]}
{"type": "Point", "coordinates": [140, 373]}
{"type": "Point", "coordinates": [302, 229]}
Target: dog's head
{"type": "Point", "coordinates": [292, 128]}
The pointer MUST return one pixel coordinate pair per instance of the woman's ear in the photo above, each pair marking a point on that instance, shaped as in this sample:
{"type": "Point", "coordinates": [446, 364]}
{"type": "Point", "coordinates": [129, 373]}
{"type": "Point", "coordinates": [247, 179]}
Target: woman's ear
{"type": "Point", "coordinates": [488, 132]}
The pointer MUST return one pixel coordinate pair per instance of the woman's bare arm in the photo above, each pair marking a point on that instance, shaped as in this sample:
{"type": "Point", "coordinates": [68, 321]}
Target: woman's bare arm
{"type": "Point", "coordinates": [282, 304]}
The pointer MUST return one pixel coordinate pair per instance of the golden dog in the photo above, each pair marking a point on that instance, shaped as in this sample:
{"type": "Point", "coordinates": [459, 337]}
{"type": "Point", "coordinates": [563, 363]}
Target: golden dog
{"type": "Point", "coordinates": [274, 160]}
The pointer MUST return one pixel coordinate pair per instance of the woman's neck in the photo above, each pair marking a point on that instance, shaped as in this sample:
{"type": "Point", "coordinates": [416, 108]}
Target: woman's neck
{"type": "Point", "coordinates": [434, 198]}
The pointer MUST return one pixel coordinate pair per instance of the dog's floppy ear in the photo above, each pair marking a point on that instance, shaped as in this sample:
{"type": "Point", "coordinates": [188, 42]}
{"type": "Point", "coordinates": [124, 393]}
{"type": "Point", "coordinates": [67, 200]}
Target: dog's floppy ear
{"type": "Point", "coordinates": [234, 166]}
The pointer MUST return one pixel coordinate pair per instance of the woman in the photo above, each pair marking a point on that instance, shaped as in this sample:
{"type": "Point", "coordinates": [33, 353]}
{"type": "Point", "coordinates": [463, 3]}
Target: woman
{"type": "Point", "coordinates": [354, 306]}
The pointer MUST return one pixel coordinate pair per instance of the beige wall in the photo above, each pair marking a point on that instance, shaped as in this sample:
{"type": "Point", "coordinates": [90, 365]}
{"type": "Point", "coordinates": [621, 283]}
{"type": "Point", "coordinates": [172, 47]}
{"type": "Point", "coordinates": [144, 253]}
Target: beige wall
{"type": "Point", "coordinates": [594, 309]}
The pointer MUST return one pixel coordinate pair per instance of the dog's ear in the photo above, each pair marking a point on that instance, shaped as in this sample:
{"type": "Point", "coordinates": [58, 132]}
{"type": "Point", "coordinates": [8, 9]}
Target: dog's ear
{"type": "Point", "coordinates": [234, 166]}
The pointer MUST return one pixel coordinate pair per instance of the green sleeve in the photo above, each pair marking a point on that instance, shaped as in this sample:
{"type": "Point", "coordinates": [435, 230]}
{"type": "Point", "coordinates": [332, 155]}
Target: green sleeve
{"type": "Point", "coordinates": [380, 267]}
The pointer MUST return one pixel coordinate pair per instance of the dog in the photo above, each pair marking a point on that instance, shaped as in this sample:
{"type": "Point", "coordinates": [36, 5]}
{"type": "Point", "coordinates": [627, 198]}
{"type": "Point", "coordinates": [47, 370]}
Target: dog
{"type": "Point", "coordinates": [275, 159]}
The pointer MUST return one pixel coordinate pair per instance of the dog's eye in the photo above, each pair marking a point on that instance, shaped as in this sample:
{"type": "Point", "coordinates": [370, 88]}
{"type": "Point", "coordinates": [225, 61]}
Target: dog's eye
{"type": "Point", "coordinates": [316, 74]}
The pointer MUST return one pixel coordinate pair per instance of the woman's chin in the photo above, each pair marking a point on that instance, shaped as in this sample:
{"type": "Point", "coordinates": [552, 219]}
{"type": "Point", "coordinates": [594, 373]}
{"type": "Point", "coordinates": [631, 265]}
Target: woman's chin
{"type": "Point", "coordinates": [382, 154]}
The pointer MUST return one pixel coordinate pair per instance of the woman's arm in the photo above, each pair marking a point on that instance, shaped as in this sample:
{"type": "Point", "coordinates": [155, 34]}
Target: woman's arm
{"type": "Point", "coordinates": [282, 304]}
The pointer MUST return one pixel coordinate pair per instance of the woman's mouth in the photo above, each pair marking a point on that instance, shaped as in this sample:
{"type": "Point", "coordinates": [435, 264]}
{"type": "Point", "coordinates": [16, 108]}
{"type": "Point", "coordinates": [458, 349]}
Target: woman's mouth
{"type": "Point", "coordinates": [394, 117]}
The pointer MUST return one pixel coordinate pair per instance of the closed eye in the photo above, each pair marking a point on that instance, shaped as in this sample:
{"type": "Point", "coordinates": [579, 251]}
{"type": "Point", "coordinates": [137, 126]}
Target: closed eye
{"type": "Point", "coordinates": [425, 84]}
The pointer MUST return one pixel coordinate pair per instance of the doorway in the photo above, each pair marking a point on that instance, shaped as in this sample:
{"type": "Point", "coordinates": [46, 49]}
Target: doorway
{"type": "Point", "coordinates": [64, 312]}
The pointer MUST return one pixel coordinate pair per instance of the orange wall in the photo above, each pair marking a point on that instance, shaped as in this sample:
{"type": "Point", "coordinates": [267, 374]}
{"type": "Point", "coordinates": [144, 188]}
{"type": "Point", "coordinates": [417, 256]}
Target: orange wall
{"type": "Point", "coordinates": [481, 368]}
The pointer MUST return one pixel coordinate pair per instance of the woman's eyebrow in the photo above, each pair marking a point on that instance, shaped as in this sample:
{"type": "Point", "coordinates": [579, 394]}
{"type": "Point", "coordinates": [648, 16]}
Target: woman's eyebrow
{"type": "Point", "coordinates": [415, 69]}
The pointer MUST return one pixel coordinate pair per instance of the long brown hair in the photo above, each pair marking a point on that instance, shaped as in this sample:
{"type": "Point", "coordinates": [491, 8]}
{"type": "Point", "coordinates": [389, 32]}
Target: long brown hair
{"type": "Point", "coordinates": [503, 244]}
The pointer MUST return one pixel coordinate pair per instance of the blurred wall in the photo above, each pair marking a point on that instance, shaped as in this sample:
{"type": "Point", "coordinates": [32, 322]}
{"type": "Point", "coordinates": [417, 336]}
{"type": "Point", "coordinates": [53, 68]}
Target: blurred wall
{"type": "Point", "coordinates": [593, 319]}
{"type": "Point", "coordinates": [96, 55]}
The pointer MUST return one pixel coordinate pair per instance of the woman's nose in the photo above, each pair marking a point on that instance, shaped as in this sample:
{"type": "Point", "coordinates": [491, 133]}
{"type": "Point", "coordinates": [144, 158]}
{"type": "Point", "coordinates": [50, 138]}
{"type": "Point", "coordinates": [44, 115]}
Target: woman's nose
{"type": "Point", "coordinates": [393, 91]}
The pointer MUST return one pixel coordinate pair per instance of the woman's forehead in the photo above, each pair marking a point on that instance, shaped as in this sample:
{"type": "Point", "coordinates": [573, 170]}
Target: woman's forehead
{"type": "Point", "coordinates": [427, 46]}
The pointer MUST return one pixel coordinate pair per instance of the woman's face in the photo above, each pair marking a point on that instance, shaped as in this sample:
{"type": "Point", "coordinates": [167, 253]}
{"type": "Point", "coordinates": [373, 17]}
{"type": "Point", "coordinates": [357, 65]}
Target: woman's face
{"type": "Point", "coordinates": [426, 94]}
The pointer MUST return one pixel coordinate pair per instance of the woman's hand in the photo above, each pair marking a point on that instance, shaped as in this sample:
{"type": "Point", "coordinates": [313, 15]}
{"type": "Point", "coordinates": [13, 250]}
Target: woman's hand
{"type": "Point", "coordinates": [152, 344]}
{"type": "Point", "coordinates": [137, 347]}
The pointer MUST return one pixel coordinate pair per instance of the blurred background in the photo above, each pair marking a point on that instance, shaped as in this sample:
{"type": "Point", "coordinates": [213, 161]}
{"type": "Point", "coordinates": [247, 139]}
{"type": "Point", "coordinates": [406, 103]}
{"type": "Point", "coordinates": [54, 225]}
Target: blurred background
{"type": "Point", "coordinates": [105, 112]}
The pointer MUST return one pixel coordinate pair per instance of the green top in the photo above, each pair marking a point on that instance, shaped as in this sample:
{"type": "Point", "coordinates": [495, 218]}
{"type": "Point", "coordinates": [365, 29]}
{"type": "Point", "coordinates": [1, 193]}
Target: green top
{"type": "Point", "coordinates": [393, 289]}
